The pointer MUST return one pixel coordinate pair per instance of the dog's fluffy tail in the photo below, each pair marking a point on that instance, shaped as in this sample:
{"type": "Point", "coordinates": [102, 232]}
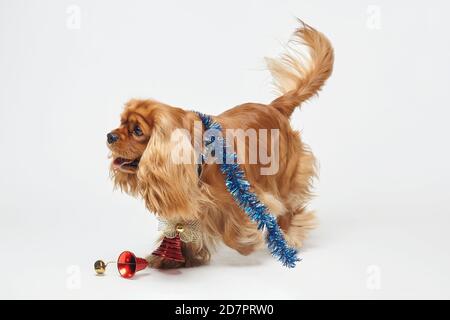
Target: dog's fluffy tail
{"type": "Point", "coordinates": [297, 76]}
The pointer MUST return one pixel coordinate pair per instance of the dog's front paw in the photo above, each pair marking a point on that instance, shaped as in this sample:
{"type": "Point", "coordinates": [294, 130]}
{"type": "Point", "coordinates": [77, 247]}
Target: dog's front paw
{"type": "Point", "coordinates": [157, 262]}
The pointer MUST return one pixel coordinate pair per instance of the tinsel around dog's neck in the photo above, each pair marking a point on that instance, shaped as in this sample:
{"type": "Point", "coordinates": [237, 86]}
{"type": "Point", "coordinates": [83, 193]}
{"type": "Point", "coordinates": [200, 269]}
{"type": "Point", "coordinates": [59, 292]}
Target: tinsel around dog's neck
{"type": "Point", "coordinates": [239, 187]}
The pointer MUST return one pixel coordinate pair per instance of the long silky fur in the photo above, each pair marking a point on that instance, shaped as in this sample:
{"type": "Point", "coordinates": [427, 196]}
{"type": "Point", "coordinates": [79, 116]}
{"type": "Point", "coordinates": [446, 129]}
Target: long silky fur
{"type": "Point", "coordinates": [175, 191]}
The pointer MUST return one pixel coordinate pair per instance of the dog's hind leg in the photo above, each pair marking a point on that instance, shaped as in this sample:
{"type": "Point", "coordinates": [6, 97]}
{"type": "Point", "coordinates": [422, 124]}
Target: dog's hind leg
{"type": "Point", "coordinates": [242, 235]}
{"type": "Point", "coordinates": [297, 225]}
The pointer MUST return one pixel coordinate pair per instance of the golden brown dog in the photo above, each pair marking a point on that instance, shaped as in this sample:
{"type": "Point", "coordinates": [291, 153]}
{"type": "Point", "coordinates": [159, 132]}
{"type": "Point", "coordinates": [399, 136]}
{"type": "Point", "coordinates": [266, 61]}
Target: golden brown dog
{"type": "Point", "coordinates": [143, 165]}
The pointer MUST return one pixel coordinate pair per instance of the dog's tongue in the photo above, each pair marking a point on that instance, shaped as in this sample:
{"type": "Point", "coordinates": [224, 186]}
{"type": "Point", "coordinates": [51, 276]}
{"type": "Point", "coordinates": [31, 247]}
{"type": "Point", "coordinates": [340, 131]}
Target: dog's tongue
{"type": "Point", "coordinates": [122, 161]}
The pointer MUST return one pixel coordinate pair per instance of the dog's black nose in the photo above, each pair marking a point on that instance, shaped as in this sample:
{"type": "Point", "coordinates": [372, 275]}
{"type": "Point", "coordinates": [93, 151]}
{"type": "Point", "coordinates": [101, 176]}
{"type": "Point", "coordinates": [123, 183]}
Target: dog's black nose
{"type": "Point", "coordinates": [112, 137]}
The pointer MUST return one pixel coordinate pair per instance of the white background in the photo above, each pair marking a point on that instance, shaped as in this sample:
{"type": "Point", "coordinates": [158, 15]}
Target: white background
{"type": "Point", "coordinates": [379, 129]}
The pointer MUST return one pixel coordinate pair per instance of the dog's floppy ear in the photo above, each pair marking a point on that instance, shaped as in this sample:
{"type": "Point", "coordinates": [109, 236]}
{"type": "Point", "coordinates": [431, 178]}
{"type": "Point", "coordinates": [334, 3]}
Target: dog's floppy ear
{"type": "Point", "coordinates": [167, 175]}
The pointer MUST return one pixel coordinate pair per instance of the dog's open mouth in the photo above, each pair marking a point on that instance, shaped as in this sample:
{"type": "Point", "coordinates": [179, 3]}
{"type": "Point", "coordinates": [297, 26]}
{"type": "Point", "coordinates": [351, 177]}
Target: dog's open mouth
{"type": "Point", "coordinates": [126, 165]}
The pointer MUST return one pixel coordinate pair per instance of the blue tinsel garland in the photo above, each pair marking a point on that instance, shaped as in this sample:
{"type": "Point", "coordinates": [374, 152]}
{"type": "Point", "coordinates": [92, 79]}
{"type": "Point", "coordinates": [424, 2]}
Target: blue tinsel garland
{"type": "Point", "coordinates": [239, 187]}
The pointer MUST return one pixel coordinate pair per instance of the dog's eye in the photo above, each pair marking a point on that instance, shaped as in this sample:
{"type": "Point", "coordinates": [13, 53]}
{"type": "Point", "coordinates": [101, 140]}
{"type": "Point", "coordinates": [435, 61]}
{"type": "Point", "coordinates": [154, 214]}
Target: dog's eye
{"type": "Point", "coordinates": [137, 131]}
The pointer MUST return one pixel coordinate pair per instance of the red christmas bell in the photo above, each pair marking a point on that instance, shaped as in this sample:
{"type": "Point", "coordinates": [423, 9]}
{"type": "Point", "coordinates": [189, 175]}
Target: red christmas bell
{"type": "Point", "coordinates": [170, 248]}
{"type": "Point", "coordinates": [128, 264]}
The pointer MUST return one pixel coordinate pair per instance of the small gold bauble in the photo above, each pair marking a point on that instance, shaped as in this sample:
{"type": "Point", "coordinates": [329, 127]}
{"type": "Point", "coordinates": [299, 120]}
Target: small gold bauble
{"type": "Point", "coordinates": [99, 267]}
{"type": "Point", "coordinates": [180, 228]}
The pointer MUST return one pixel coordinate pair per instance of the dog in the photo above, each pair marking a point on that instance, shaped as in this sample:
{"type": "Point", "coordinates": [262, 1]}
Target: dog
{"type": "Point", "coordinates": [143, 166]}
